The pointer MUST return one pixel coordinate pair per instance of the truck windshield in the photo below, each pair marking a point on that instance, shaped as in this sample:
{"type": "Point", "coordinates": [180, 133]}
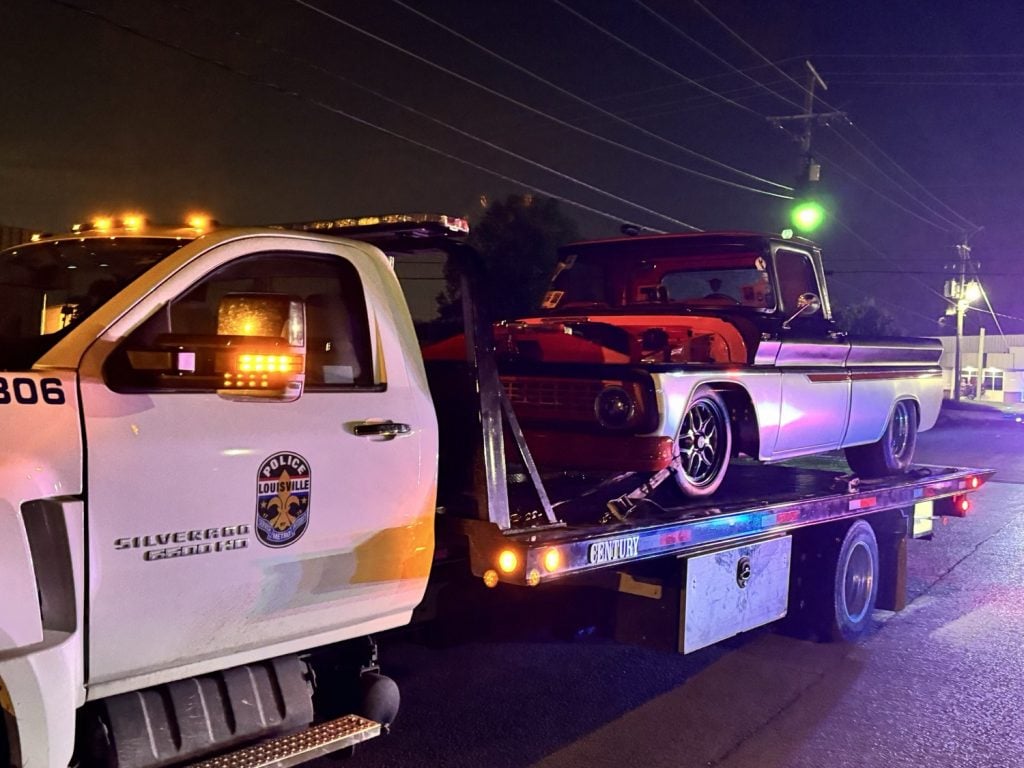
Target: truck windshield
{"type": "Point", "coordinates": [616, 280]}
{"type": "Point", "coordinates": [51, 286]}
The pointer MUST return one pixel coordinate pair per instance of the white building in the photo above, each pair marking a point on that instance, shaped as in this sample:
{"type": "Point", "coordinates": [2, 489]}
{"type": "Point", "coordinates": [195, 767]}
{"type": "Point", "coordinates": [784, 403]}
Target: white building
{"type": "Point", "coordinates": [994, 360]}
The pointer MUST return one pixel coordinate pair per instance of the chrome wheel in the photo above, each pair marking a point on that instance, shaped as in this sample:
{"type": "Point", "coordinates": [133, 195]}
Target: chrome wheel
{"type": "Point", "coordinates": [900, 431]}
{"type": "Point", "coordinates": [858, 583]}
{"type": "Point", "coordinates": [703, 444]}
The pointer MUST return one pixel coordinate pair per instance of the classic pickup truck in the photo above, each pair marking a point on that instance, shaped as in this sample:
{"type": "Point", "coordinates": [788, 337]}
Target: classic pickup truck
{"type": "Point", "coordinates": [680, 351]}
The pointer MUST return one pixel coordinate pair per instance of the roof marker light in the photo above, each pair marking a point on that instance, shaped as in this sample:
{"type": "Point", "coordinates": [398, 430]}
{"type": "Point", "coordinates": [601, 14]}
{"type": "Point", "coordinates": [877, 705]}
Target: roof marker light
{"type": "Point", "coordinates": [133, 221]}
{"type": "Point", "coordinates": [198, 221]}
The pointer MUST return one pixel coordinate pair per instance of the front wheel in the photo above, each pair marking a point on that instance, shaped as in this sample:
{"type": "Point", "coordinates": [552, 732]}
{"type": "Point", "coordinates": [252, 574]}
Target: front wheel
{"type": "Point", "coordinates": [893, 453]}
{"type": "Point", "coordinates": [703, 444]}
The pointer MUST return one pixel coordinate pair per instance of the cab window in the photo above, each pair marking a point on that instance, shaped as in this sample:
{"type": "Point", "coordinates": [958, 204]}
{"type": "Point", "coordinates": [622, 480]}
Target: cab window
{"type": "Point", "coordinates": [796, 275]}
{"type": "Point", "coordinates": [338, 348]}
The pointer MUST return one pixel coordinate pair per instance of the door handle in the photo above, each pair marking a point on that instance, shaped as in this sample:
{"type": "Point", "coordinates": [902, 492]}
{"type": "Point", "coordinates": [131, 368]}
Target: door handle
{"type": "Point", "coordinates": [381, 429]}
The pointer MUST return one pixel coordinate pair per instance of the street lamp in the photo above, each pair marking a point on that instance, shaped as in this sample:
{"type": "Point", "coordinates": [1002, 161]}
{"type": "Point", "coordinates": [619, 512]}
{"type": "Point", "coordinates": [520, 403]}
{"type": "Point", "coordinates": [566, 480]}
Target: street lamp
{"type": "Point", "coordinates": [964, 294]}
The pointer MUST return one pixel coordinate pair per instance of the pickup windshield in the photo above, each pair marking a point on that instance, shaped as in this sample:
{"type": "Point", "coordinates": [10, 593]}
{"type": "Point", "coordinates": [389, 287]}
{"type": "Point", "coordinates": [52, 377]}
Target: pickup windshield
{"type": "Point", "coordinates": [51, 286]}
{"type": "Point", "coordinates": [618, 280]}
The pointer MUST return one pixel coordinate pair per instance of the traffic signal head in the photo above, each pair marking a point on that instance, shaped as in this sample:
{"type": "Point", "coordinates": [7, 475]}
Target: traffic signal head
{"type": "Point", "coordinates": [807, 215]}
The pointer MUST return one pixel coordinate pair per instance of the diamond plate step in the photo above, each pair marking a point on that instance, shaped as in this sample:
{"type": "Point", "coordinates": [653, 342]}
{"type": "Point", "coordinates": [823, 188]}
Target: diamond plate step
{"type": "Point", "coordinates": [299, 747]}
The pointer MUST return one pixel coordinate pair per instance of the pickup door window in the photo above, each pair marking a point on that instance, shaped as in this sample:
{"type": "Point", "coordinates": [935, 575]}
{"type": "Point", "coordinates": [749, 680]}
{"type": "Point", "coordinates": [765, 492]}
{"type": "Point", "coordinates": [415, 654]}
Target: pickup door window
{"type": "Point", "coordinates": [815, 388]}
{"type": "Point", "coordinates": [225, 529]}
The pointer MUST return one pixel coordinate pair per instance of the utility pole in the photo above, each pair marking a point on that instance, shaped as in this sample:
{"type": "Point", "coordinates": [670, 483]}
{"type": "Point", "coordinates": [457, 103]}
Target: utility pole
{"type": "Point", "coordinates": [963, 252]}
{"type": "Point", "coordinates": [809, 173]}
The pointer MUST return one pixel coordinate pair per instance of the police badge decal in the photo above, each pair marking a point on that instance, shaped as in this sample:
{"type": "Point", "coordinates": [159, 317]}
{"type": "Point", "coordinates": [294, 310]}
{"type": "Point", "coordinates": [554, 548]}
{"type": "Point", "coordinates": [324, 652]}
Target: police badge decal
{"type": "Point", "coordinates": [282, 499]}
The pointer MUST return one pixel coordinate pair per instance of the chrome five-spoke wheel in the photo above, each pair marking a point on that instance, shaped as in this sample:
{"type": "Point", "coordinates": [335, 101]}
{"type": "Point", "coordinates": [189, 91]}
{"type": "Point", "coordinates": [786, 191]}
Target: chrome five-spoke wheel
{"type": "Point", "coordinates": [703, 444]}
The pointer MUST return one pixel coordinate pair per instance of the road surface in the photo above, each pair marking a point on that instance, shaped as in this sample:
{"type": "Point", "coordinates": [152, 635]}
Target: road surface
{"type": "Point", "coordinates": [937, 685]}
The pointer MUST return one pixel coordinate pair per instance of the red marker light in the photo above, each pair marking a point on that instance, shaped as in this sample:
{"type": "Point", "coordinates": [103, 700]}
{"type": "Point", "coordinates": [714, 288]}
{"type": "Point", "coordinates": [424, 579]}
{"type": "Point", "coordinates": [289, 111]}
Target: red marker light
{"type": "Point", "coordinates": [963, 505]}
{"type": "Point", "coordinates": [974, 482]}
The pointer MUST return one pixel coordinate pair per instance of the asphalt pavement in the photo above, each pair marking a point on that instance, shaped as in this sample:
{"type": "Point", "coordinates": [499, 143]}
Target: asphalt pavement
{"type": "Point", "coordinates": [939, 684]}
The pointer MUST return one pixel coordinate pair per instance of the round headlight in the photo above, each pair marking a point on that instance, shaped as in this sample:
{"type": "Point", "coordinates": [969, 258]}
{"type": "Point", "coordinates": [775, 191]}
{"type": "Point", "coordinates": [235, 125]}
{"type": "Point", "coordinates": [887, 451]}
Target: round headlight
{"type": "Point", "coordinates": [614, 408]}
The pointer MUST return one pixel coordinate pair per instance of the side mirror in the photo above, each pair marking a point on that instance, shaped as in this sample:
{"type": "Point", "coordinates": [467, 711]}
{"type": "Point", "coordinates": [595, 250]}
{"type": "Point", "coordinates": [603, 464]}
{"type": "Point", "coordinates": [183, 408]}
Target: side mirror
{"type": "Point", "coordinates": [258, 352]}
{"type": "Point", "coordinates": [806, 304]}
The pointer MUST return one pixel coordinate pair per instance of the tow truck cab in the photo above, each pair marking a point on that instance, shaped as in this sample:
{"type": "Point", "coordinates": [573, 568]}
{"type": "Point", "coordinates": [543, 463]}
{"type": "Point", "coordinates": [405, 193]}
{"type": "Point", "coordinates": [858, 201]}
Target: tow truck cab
{"type": "Point", "coordinates": [220, 454]}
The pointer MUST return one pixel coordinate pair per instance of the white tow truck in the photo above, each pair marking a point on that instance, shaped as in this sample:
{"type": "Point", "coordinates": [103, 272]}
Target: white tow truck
{"type": "Point", "coordinates": [220, 476]}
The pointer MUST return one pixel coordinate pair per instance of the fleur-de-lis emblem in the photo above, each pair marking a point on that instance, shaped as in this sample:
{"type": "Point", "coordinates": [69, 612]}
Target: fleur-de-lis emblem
{"type": "Point", "coordinates": [281, 504]}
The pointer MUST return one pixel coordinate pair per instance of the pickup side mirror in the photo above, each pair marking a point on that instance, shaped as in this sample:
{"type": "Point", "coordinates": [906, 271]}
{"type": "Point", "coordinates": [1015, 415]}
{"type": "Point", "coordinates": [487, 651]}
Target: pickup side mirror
{"type": "Point", "coordinates": [258, 352]}
{"type": "Point", "coordinates": [806, 304]}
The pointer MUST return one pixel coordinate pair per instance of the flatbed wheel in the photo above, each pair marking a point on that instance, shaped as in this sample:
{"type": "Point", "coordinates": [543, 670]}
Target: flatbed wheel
{"type": "Point", "coordinates": [834, 583]}
{"type": "Point", "coordinates": [855, 586]}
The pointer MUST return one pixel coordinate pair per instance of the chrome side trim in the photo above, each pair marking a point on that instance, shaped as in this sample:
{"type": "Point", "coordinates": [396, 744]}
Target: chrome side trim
{"type": "Point", "coordinates": [895, 352]}
{"type": "Point", "coordinates": [812, 353]}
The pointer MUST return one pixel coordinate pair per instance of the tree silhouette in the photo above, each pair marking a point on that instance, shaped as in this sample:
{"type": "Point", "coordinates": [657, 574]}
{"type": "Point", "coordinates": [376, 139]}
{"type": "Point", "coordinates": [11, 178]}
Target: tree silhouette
{"type": "Point", "coordinates": [518, 239]}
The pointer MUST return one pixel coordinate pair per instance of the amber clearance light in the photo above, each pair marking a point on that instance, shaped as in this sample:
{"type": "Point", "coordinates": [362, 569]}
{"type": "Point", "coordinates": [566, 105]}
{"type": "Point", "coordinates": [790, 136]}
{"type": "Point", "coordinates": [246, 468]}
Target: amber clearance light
{"type": "Point", "coordinates": [552, 559]}
{"type": "Point", "coordinates": [508, 561]}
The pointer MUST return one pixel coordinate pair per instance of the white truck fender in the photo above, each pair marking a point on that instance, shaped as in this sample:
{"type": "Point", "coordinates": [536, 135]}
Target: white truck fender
{"type": "Point", "coordinates": [43, 683]}
{"type": "Point", "coordinates": [44, 690]}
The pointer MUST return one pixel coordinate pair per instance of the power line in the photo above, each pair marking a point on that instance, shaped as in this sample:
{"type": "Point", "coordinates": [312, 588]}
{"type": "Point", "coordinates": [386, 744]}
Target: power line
{"type": "Point", "coordinates": [869, 161]}
{"type": "Point", "coordinates": [660, 65]}
{"type": "Point", "coordinates": [693, 41]}
{"type": "Point", "coordinates": [906, 173]}
{"type": "Point", "coordinates": [881, 194]}
{"type": "Point", "coordinates": [893, 304]}
{"type": "Point", "coordinates": [935, 272]}
{"type": "Point", "coordinates": [975, 84]}
{"type": "Point", "coordinates": [366, 89]}
{"type": "Point", "coordinates": [527, 107]}
{"type": "Point", "coordinates": [929, 73]}
{"type": "Point", "coordinates": [944, 56]}
{"type": "Point", "coordinates": [804, 89]}
{"type": "Point", "coordinates": [882, 253]}
{"type": "Point", "coordinates": [665, 108]}
{"type": "Point", "coordinates": [335, 110]}
{"type": "Point", "coordinates": [580, 100]}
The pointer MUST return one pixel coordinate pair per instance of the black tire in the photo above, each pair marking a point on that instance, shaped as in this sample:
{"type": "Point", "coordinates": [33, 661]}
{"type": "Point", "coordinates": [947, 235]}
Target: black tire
{"type": "Point", "coordinates": [834, 583]}
{"type": "Point", "coordinates": [380, 698]}
{"type": "Point", "coordinates": [855, 583]}
{"type": "Point", "coordinates": [893, 453]}
{"type": "Point", "coordinates": [703, 444]}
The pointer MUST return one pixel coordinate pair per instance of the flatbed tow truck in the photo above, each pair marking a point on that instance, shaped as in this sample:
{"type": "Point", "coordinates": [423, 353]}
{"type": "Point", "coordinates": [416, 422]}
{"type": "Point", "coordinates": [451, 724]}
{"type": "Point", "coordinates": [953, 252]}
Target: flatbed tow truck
{"type": "Point", "coordinates": [807, 540]}
{"type": "Point", "coordinates": [145, 625]}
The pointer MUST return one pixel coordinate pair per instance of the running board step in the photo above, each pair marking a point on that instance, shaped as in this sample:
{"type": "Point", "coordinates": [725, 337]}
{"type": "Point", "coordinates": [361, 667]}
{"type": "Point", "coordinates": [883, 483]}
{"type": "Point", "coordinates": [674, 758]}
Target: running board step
{"type": "Point", "coordinates": [311, 743]}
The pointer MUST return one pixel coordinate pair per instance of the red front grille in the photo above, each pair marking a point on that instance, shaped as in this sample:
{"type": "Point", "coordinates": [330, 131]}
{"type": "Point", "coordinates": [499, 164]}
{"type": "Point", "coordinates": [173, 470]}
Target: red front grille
{"type": "Point", "coordinates": [551, 398]}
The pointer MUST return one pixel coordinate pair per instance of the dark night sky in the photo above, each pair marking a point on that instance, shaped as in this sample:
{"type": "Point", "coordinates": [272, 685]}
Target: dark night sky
{"type": "Point", "coordinates": [237, 112]}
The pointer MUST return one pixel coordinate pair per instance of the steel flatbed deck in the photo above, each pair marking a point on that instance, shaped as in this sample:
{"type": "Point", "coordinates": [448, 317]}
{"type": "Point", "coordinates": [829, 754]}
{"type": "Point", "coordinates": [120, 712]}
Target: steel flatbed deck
{"type": "Point", "coordinates": [757, 502]}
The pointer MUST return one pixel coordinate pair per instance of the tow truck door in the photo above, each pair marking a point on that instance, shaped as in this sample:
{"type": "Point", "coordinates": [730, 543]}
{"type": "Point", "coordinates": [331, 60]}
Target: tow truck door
{"type": "Point", "coordinates": [183, 576]}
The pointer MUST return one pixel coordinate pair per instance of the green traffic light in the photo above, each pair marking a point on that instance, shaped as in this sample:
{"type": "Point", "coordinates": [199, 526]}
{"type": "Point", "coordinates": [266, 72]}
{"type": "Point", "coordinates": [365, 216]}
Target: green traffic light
{"type": "Point", "coordinates": [807, 216]}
